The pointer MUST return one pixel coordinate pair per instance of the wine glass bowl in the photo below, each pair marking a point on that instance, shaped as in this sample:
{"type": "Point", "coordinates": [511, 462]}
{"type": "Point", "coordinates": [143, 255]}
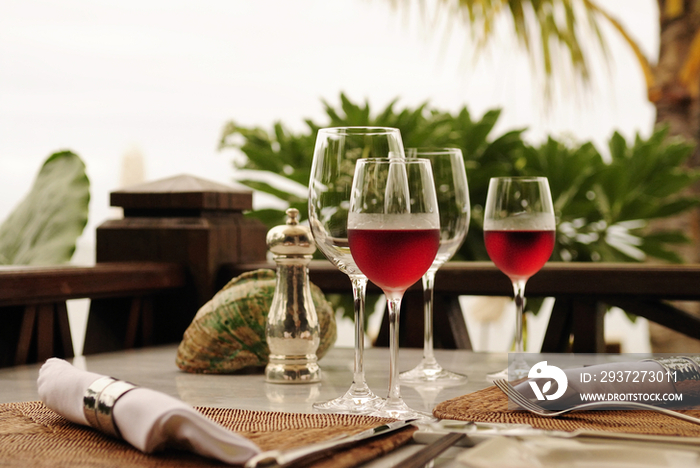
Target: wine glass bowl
{"type": "Point", "coordinates": [519, 235]}
{"type": "Point", "coordinates": [336, 152]}
{"type": "Point", "coordinates": [519, 253]}
{"type": "Point", "coordinates": [452, 192]}
{"type": "Point", "coordinates": [394, 236]}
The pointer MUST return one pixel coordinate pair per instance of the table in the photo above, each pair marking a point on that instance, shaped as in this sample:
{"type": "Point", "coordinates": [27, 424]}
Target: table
{"type": "Point", "coordinates": [155, 368]}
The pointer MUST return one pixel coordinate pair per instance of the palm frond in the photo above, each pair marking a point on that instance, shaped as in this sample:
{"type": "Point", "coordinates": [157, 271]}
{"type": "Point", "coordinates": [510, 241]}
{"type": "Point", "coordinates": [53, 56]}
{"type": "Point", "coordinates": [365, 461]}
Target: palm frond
{"type": "Point", "coordinates": [552, 32]}
{"type": "Point", "coordinates": [641, 58]}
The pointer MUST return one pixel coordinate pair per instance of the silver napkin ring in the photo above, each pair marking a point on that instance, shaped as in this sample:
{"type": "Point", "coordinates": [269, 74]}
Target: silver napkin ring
{"type": "Point", "coordinates": [90, 399]}
{"type": "Point", "coordinates": [99, 400]}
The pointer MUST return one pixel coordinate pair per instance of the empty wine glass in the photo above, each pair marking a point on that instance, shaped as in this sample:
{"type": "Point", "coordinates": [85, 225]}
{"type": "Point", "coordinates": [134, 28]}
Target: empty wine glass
{"type": "Point", "coordinates": [453, 200]}
{"type": "Point", "coordinates": [519, 234]}
{"type": "Point", "coordinates": [394, 235]}
{"type": "Point", "coordinates": [335, 154]}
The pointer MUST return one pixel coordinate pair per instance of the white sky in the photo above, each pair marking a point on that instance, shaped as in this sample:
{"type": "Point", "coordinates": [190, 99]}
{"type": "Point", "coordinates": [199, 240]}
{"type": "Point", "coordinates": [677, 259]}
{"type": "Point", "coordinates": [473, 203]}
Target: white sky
{"type": "Point", "coordinates": [102, 77]}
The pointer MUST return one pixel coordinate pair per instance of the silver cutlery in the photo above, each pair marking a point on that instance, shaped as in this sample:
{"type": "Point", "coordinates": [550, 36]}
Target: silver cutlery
{"type": "Point", "coordinates": [478, 432]}
{"type": "Point", "coordinates": [534, 408]}
{"type": "Point", "coordinates": [432, 450]}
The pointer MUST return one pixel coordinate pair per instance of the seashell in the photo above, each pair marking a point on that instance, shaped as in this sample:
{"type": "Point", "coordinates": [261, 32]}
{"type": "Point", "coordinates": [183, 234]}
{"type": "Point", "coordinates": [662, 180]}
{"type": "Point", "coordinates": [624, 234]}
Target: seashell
{"type": "Point", "coordinates": [228, 333]}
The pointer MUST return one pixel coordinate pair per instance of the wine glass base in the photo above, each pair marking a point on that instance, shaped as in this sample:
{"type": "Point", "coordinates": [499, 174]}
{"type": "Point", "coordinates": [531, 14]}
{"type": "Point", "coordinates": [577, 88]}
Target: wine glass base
{"type": "Point", "coordinates": [431, 372]}
{"type": "Point", "coordinates": [397, 409]}
{"type": "Point", "coordinates": [500, 375]}
{"type": "Point", "coordinates": [355, 401]}
{"type": "Point", "coordinates": [516, 371]}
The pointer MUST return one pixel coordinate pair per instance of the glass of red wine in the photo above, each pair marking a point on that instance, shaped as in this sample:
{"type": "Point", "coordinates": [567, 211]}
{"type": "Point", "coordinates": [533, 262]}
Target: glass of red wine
{"type": "Point", "coordinates": [336, 152]}
{"type": "Point", "coordinates": [452, 193]}
{"type": "Point", "coordinates": [394, 235]}
{"type": "Point", "coordinates": [519, 233]}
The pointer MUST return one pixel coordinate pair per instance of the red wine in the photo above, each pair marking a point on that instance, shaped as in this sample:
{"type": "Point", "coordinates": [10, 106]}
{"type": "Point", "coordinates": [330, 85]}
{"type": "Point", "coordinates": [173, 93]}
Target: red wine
{"type": "Point", "coordinates": [519, 254]}
{"type": "Point", "coordinates": [394, 259]}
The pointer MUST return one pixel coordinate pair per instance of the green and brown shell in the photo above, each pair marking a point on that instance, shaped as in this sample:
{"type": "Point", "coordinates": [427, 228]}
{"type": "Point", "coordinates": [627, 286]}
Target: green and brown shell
{"type": "Point", "coordinates": [228, 332]}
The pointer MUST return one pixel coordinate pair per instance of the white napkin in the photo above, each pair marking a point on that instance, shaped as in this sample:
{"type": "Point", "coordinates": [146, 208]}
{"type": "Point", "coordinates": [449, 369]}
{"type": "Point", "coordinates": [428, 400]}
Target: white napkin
{"type": "Point", "coordinates": [626, 373]}
{"type": "Point", "coordinates": [545, 452]}
{"type": "Point", "coordinates": [147, 419]}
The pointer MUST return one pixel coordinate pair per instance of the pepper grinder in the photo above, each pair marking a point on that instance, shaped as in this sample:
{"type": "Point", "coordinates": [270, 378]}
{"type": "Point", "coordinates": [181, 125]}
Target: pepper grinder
{"type": "Point", "coordinates": [292, 329]}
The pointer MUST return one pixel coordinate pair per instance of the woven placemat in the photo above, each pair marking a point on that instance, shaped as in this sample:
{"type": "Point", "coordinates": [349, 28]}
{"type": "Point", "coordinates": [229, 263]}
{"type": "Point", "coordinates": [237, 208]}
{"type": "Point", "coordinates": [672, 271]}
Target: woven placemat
{"type": "Point", "coordinates": [33, 435]}
{"type": "Point", "coordinates": [491, 405]}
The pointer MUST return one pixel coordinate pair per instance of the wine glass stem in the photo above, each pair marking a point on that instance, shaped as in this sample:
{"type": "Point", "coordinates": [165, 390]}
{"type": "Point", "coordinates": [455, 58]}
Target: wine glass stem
{"type": "Point", "coordinates": [359, 287]}
{"type": "Point", "coordinates": [428, 287]}
{"type": "Point", "coordinates": [519, 295]}
{"type": "Point", "coordinates": [394, 306]}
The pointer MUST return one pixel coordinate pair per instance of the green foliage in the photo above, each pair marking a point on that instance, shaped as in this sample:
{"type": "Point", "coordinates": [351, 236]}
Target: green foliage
{"type": "Point", "coordinates": [43, 228]}
{"type": "Point", "coordinates": [605, 213]}
{"type": "Point", "coordinates": [603, 207]}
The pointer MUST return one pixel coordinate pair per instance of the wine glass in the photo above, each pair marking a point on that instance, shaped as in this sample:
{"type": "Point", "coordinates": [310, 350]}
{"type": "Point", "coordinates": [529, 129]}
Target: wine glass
{"type": "Point", "coordinates": [335, 154]}
{"type": "Point", "coordinates": [394, 235]}
{"type": "Point", "coordinates": [519, 234]}
{"type": "Point", "coordinates": [453, 200]}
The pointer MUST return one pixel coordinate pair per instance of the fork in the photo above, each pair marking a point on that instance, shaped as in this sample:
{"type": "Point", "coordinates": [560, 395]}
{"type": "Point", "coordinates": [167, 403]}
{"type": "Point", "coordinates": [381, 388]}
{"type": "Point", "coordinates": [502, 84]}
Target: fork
{"type": "Point", "coordinates": [532, 407]}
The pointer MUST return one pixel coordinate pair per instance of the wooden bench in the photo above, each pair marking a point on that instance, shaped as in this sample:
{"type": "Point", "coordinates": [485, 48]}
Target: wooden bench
{"type": "Point", "coordinates": [183, 238]}
{"type": "Point", "coordinates": [155, 267]}
{"type": "Point", "coordinates": [582, 292]}
{"type": "Point", "coordinates": [35, 322]}
{"type": "Point", "coordinates": [33, 303]}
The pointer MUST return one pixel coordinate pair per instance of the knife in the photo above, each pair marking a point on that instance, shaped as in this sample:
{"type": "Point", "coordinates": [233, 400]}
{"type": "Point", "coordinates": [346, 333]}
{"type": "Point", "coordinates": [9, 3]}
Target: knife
{"type": "Point", "coordinates": [280, 458]}
{"type": "Point", "coordinates": [433, 450]}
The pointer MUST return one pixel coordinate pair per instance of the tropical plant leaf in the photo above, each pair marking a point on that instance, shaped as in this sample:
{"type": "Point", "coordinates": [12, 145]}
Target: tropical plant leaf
{"type": "Point", "coordinates": [268, 188]}
{"type": "Point", "coordinates": [44, 227]}
{"type": "Point", "coordinates": [659, 250]}
{"type": "Point", "coordinates": [601, 206]}
{"type": "Point", "coordinates": [551, 32]}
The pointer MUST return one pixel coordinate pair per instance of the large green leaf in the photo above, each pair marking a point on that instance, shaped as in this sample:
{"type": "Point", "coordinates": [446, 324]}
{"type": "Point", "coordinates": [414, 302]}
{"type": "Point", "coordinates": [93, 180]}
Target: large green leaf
{"type": "Point", "coordinates": [43, 228]}
{"type": "Point", "coordinates": [603, 207]}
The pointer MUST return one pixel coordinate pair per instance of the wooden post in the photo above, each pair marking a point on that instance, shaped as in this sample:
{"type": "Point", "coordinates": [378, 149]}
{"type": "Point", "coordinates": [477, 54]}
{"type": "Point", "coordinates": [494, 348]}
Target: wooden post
{"type": "Point", "coordinates": [449, 327]}
{"type": "Point", "coordinates": [182, 219]}
{"type": "Point", "coordinates": [588, 316]}
{"type": "Point", "coordinates": [558, 335]}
